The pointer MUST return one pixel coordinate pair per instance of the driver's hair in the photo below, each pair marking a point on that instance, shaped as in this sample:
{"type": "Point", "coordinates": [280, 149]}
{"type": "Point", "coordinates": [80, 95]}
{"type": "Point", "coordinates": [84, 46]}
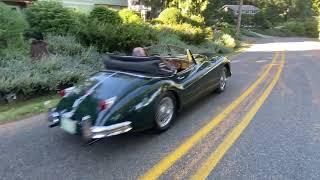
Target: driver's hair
{"type": "Point", "coordinates": [139, 51]}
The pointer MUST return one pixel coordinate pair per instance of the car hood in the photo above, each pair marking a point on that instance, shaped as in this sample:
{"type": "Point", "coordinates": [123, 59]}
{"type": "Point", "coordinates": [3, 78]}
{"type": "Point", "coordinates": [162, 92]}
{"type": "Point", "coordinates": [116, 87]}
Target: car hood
{"type": "Point", "coordinates": [84, 99]}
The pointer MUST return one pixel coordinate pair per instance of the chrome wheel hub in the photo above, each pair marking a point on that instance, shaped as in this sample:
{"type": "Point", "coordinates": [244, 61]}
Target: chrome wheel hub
{"type": "Point", "coordinates": [165, 112]}
{"type": "Point", "coordinates": [223, 80]}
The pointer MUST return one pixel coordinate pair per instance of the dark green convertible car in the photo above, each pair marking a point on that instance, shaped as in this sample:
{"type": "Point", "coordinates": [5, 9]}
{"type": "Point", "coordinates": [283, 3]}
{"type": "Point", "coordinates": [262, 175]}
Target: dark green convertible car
{"type": "Point", "coordinates": [138, 93]}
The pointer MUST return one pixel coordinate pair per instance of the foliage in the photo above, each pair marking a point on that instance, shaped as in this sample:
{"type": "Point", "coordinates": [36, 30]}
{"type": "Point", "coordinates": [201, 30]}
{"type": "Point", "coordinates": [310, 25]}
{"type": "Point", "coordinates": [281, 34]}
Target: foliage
{"type": "Point", "coordinates": [316, 6]}
{"type": "Point", "coordinates": [27, 79]}
{"type": "Point", "coordinates": [311, 27]}
{"type": "Point", "coordinates": [109, 38]}
{"type": "Point", "coordinates": [260, 20]}
{"type": "Point", "coordinates": [130, 17]}
{"type": "Point", "coordinates": [297, 28]}
{"type": "Point", "coordinates": [186, 32]}
{"type": "Point", "coordinates": [226, 17]}
{"type": "Point", "coordinates": [189, 7]}
{"type": "Point", "coordinates": [195, 20]}
{"type": "Point", "coordinates": [49, 17]}
{"type": "Point", "coordinates": [12, 27]}
{"type": "Point", "coordinates": [170, 16]}
{"type": "Point", "coordinates": [64, 45]}
{"type": "Point", "coordinates": [105, 15]}
{"type": "Point", "coordinates": [228, 41]}
{"type": "Point", "coordinates": [225, 28]}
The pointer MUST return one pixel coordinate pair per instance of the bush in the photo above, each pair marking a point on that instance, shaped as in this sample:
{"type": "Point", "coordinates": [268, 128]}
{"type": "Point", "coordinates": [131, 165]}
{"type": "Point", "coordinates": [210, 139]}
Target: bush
{"type": "Point", "coordinates": [260, 20]}
{"type": "Point", "coordinates": [294, 28]}
{"type": "Point", "coordinates": [226, 17]}
{"type": "Point", "coordinates": [225, 28]}
{"type": "Point", "coordinates": [228, 41]}
{"type": "Point", "coordinates": [121, 38]}
{"type": "Point", "coordinates": [186, 32]}
{"type": "Point", "coordinates": [64, 45]}
{"type": "Point", "coordinates": [105, 15]}
{"type": "Point", "coordinates": [50, 17]}
{"type": "Point", "coordinates": [28, 79]}
{"type": "Point", "coordinates": [170, 16]}
{"type": "Point", "coordinates": [195, 20]}
{"type": "Point", "coordinates": [12, 27]}
{"type": "Point", "coordinates": [130, 17]}
{"type": "Point", "coordinates": [311, 28]}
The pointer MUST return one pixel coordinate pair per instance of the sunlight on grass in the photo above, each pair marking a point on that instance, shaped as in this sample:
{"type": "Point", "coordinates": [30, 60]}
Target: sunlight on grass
{"type": "Point", "coordinates": [20, 110]}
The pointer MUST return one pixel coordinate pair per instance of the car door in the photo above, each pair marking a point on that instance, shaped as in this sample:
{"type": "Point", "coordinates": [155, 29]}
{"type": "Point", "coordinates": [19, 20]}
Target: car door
{"type": "Point", "coordinates": [210, 72]}
{"type": "Point", "coordinates": [194, 80]}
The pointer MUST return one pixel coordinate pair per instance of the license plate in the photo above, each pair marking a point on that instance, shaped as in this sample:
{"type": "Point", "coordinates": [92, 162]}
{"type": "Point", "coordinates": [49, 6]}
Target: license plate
{"type": "Point", "coordinates": [68, 125]}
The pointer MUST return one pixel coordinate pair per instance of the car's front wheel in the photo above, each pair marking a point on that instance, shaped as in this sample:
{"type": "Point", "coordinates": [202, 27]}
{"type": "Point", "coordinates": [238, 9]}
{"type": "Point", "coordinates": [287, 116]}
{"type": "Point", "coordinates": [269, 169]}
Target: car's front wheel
{"type": "Point", "coordinates": [222, 80]}
{"type": "Point", "coordinates": [165, 112]}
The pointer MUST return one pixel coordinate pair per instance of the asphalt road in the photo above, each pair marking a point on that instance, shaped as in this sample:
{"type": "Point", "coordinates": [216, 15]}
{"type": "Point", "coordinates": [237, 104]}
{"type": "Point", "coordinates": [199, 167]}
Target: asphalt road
{"type": "Point", "coordinates": [281, 142]}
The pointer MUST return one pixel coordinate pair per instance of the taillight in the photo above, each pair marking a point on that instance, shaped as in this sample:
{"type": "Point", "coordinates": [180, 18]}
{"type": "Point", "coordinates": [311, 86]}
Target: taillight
{"type": "Point", "coordinates": [106, 104]}
{"type": "Point", "coordinates": [62, 93]}
{"type": "Point", "coordinates": [65, 92]}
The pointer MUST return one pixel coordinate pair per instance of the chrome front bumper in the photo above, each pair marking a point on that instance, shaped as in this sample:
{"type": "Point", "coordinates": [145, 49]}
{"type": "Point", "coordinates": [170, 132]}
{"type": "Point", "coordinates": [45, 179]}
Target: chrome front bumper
{"type": "Point", "coordinates": [93, 132]}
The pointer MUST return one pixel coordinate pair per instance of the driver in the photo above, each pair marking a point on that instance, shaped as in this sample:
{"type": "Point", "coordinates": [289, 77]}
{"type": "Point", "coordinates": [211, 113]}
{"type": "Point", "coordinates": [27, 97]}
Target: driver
{"type": "Point", "coordinates": [139, 52]}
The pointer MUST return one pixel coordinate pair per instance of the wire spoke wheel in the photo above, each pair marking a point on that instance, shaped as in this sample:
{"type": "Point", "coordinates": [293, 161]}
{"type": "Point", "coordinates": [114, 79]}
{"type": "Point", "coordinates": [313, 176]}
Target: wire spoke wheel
{"type": "Point", "coordinates": [223, 80]}
{"type": "Point", "coordinates": [165, 112]}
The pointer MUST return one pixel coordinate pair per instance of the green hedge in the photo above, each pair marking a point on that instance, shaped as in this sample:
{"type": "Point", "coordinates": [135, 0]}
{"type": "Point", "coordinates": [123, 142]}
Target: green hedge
{"type": "Point", "coordinates": [170, 16]}
{"type": "Point", "coordinates": [28, 79]}
{"type": "Point", "coordinates": [12, 27]}
{"type": "Point", "coordinates": [105, 15]}
{"type": "Point", "coordinates": [120, 38]}
{"type": "Point", "coordinates": [50, 17]}
{"type": "Point", "coordinates": [130, 17]}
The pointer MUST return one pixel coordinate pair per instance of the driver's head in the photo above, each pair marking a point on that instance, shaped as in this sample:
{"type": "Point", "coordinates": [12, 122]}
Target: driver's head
{"type": "Point", "coordinates": [139, 51]}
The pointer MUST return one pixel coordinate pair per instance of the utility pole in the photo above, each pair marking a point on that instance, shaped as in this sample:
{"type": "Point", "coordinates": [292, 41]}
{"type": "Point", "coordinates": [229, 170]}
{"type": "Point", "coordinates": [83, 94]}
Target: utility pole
{"type": "Point", "coordinates": [239, 19]}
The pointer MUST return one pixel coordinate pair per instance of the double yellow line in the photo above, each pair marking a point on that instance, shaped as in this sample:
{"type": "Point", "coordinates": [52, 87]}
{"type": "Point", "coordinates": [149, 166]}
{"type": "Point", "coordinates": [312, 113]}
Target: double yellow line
{"type": "Point", "coordinates": [157, 170]}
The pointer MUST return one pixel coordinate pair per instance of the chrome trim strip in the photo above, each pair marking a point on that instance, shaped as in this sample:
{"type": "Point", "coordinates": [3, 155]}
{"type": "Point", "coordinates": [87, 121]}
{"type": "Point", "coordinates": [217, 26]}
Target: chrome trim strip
{"type": "Point", "coordinates": [140, 75]}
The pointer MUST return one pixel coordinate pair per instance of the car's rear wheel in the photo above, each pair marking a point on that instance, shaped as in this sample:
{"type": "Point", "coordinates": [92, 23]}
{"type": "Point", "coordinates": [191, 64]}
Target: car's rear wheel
{"type": "Point", "coordinates": [165, 112]}
{"type": "Point", "coordinates": [222, 80]}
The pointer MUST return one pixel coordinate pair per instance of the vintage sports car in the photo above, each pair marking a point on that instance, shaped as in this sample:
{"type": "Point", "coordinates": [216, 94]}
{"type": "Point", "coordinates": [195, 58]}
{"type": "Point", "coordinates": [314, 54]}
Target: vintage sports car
{"type": "Point", "coordinates": [138, 93]}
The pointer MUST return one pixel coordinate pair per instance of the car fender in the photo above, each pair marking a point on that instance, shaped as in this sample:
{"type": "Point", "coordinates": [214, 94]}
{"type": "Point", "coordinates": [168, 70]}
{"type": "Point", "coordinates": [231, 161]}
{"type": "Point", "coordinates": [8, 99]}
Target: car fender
{"type": "Point", "coordinates": [138, 106]}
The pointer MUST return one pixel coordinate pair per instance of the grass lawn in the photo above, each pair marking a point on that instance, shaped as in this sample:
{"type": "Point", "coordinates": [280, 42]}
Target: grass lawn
{"type": "Point", "coordinates": [27, 108]}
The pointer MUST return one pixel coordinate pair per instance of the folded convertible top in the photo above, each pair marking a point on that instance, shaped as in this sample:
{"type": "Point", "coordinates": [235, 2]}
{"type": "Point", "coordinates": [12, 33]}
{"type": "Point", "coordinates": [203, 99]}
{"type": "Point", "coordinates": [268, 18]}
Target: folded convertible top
{"type": "Point", "coordinates": [151, 66]}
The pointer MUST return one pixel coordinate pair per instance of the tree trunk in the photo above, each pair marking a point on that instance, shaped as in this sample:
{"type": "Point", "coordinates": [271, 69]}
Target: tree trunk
{"type": "Point", "coordinates": [239, 19]}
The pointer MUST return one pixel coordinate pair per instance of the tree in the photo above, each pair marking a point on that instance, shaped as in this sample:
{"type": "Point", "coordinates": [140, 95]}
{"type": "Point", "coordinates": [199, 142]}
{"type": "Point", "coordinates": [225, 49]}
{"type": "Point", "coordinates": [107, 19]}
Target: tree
{"type": "Point", "coordinates": [189, 7]}
{"type": "Point", "coordinates": [316, 6]}
{"type": "Point", "coordinates": [239, 18]}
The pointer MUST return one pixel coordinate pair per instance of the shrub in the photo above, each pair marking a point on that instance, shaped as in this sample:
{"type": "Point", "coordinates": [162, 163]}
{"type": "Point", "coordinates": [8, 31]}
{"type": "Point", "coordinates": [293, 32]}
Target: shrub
{"type": "Point", "coordinates": [122, 37]}
{"type": "Point", "coordinates": [170, 16]}
{"type": "Point", "coordinates": [49, 17]}
{"type": "Point", "coordinates": [64, 45]}
{"type": "Point", "coordinates": [228, 41]}
{"type": "Point", "coordinates": [226, 17]}
{"type": "Point", "coordinates": [12, 27]}
{"type": "Point", "coordinates": [105, 15]}
{"type": "Point", "coordinates": [225, 28]}
{"type": "Point", "coordinates": [311, 27]}
{"type": "Point", "coordinates": [260, 20]}
{"type": "Point", "coordinates": [186, 32]}
{"type": "Point", "coordinates": [297, 28]}
{"type": "Point", "coordinates": [130, 36]}
{"type": "Point", "coordinates": [28, 79]}
{"type": "Point", "coordinates": [195, 20]}
{"type": "Point", "coordinates": [130, 17]}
